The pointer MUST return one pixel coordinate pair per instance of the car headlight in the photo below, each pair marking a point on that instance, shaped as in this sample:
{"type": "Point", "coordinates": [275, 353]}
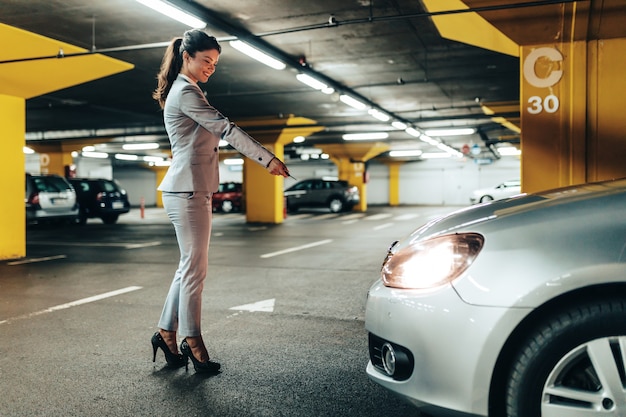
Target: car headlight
{"type": "Point", "coordinates": [431, 263]}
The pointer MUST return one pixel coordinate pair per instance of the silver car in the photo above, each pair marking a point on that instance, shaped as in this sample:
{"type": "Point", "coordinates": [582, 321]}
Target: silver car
{"type": "Point", "coordinates": [50, 198]}
{"type": "Point", "coordinates": [500, 191]}
{"type": "Point", "coordinates": [511, 308]}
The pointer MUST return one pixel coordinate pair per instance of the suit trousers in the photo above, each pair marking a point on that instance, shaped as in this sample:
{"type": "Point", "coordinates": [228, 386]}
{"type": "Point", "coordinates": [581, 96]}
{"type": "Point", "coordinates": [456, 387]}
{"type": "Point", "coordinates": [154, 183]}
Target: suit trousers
{"type": "Point", "coordinates": [191, 214]}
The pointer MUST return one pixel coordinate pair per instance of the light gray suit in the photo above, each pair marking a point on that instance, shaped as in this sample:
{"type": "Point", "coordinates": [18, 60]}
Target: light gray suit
{"type": "Point", "coordinates": [194, 128]}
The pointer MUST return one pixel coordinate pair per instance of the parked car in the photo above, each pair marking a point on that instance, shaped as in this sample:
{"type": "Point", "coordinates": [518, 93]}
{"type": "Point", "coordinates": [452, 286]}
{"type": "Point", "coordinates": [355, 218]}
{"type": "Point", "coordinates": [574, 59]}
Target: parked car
{"type": "Point", "coordinates": [50, 198]}
{"type": "Point", "coordinates": [99, 197]}
{"type": "Point", "coordinates": [336, 195]}
{"type": "Point", "coordinates": [228, 197]}
{"type": "Point", "coordinates": [500, 191]}
{"type": "Point", "coordinates": [512, 308]}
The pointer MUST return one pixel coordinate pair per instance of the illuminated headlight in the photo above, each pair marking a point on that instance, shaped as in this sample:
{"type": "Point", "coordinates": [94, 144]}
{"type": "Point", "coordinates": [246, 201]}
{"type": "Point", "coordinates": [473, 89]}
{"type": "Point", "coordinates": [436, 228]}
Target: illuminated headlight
{"type": "Point", "coordinates": [431, 263]}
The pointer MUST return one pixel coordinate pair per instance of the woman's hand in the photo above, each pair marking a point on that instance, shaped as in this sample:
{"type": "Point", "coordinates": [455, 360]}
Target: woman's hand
{"type": "Point", "coordinates": [277, 167]}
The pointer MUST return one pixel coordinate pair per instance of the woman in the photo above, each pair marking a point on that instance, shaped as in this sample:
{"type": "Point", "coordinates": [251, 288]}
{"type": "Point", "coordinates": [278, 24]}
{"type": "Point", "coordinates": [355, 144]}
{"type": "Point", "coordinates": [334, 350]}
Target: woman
{"type": "Point", "coordinates": [194, 128]}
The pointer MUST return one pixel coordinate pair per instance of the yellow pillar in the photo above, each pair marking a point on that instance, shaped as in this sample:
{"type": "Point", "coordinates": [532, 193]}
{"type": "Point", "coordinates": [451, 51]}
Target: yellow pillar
{"type": "Point", "coordinates": [264, 198]}
{"type": "Point", "coordinates": [572, 116]}
{"type": "Point", "coordinates": [394, 183]}
{"type": "Point", "coordinates": [354, 173]}
{"type": "Point", "coordinates": [159, 174]}
{"type": "Point", "coordinates": [12, 182]}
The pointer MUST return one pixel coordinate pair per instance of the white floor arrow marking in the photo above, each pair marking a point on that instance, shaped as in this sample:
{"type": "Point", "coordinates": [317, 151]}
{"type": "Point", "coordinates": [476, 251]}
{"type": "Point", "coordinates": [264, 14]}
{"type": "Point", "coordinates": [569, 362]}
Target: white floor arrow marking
{"type": "Point", "coordinates": [265, 306]}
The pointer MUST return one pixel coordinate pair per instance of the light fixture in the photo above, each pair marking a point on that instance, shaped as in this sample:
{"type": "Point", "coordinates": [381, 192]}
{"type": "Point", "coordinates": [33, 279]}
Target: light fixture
{"type": "Point", "coordinates": [152, 159]}
{"type": "Point", "coordinates": [233, 161]}
{"type": "Point", "coordinates": [258, 55]}
{"type": "Point", "coordinates": [27, 150]}
{"type": "Point", "coordinates": [140, 146]}
{"type": "Point", "coordinates": [509, 151]}
{"type": "Point", "coordinates": [88, 148]}
{"type": "Point", "coordinates": [435, 155]}
{"type": "Point", "coordinates": [429, 140]}
{"type": "Point", "coordinates": [352, 102]}
{"type": "Point", "coordinates": [377, 114]}
{"type": "Point", "coordinates": [100, 155]}
{"type": "Point", "coordinates": [399, 125]}
{"type": "Point", "coordinates": [126, 157]}
{"type": "Point", "coordinates": [365, 136]}
{"type": "Point", "coordinates": [408, 152]}
{"type": "Point", "coordinates": [413, 132]}
{"type": "Point", "coordinates": [174, 12]}
{"type": "Point", "coordinates": [451, 132]}
{"type": "Point", "coordinates": [314, 83]}
{"type": "Point", "coordinates": [299, 139]}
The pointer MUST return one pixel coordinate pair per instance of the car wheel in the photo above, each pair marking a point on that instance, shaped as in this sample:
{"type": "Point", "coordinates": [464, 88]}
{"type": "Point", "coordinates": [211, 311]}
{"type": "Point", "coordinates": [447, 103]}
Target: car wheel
{"type": "Point", "coordinates": [110, 219]}
{"type": "Point", "coordinates": [227, 206]}
{"type": "Point", "coordinates": [573, 364]}
{"type": "Point", "coordinates": [335, 205]}
{"type": "Point", "coordinates": [486, 198]}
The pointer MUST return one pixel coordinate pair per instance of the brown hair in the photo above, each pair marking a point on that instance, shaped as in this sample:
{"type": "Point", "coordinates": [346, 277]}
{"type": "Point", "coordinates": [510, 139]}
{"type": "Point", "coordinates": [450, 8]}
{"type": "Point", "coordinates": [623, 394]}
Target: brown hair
{"type": "Point", "coordinates": [192, 41]}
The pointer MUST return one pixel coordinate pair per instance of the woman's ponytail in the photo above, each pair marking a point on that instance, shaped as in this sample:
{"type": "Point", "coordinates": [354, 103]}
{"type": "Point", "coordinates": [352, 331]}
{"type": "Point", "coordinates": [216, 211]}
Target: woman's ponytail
{"type": "Point", "coordinates": [170, 67]}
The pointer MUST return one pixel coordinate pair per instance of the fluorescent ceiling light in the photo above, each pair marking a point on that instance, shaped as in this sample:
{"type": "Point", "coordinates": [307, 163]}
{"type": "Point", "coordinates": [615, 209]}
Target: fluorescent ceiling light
{"type": "Point", "coordinates": [352, 102]}
{"type": "Point", "coordinates": [509, 151]}
{"type": "Point", "coordinates": [408, 152]}
{"type": "Point", "coordinates": [399, 125]}
{"type": "Point", "coordinates": [233, 161]}
{"type": "Point", "coordinates": [152, 159]}
{"type": "Point", "coordinates": [299, 139]}
{"type": "Point", "coordinates": [88, 148]}
{"type": "Point", "coordinates": [314, 83]}
{"type": "Point", "coordinates": [451, 132]}
{"type": "Point", "coordinates": [258, 55]}
{"type": "Point", "coordinates": [140, 146]}
{"type": "Point", "coordinates": [377, 114]}
{"type": "Point", "coordinates": [174, 12]}
{"type": "Point", "coordinates": [27, 150]}
{"type": "Point", "coordinates": [413, 132]}
{"type": "Point", "coordinates": [429, 140]}
{"type": "Point", "coordinates": [435, 155]}
{"type": "Point", "coordinates": [365, 136]}
{"type": "Point", "coordinates": [100, 155]}
{"type": "Point", "coordinates": [126, 157]}
{"type": "Point", "coordinates": [223, 143]}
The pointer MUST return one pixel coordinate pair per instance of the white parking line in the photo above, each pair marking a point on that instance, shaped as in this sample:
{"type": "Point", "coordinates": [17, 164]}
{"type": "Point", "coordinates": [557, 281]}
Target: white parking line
{"type": "Point", "coordinates": [125, 245]}
{"type": "Point", "coordinates": [296, 248]}
{"type": "Point", "coordinates": [35, 260]}
{"type": "Point", "coordinates": [73, 304]}
{"type": "Point", "coordinates": [379, 216]}
{"type": "Point", "coordinates": [383, 226]}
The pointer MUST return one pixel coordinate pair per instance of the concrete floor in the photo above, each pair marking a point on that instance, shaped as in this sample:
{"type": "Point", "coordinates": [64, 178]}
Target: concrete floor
{"type": "Point", "coordinates": [283, 313]}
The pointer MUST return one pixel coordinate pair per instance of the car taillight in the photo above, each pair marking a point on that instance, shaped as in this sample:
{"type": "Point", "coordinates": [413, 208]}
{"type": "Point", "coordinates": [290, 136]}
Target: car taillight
{"type": "Point", "coordinates": [34, 199]}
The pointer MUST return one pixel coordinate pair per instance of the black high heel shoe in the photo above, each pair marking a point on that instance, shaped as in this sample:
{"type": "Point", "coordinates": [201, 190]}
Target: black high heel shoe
{"type": "Point", "coordinates": [208, 367]}
{"type": "Point", "coordinates": [174, 360]}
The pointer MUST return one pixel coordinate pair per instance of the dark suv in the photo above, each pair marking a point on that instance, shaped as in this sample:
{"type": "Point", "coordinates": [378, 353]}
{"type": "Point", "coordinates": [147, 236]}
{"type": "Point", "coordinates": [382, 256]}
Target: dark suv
{"type": "Point", "coordinates": [98, 197]}
{"type": "Point", "coordinates": [336, 195]}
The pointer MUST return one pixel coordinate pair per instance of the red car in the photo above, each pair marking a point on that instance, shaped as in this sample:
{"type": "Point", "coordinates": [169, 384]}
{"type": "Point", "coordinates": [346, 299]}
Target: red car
{"type": "Point", "coordinates": [228, 197]}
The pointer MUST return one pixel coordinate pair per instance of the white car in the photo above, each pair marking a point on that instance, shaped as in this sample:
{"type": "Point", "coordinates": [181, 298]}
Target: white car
{"type": "Point", "coordinates": [512, 308]}
{"type": "Point", "coordinates": [500, 191]}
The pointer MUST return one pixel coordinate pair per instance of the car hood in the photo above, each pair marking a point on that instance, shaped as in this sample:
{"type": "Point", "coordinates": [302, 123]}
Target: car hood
{"type": "Point", "coordinates": [513, 206]}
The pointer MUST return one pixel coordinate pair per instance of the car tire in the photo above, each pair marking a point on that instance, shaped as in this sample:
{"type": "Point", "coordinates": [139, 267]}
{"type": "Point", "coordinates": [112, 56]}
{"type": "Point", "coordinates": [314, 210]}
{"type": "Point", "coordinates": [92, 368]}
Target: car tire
{"type": "Point", "coordinates": [227, 206]}
{"type": "Point", "coordinates": [110, 219]}
{"type": "Point", "coordinates": [571, 364]}
{"type": "Point", "coordinates": [335, 205]}
{"type": "Point", "coordinates": [486, 198]}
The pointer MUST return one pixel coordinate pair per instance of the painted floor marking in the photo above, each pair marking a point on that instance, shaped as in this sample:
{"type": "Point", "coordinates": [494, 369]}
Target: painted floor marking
{"type": "Point", "coordinates": [73, 304]}
{"type": "Point", "coordinates": [407, 216]}
{"type": "Point", "coordinates": [383, 226]}
{"type": "Point", "coordinates": [296, 248]}
{"type": "Point", "coordinates": [125, 245]}
{"type": "Point", "coordinates": [379, 216]}
{"type": "Point", "coordinates": [265, 306]}
{"type": "Point", "coordinates": [35, 260]}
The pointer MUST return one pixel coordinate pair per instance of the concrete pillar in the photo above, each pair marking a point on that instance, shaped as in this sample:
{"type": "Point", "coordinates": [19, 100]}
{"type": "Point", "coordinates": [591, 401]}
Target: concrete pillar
{"type": "Point", "coordinates": [12, 182]}
{"type": "Point", "coordinates": [394, 182]}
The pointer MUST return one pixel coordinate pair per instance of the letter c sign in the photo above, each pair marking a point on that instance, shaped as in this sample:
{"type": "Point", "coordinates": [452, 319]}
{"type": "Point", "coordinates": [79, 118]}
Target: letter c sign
{"type": "Point", "coordinates": [529, 67]}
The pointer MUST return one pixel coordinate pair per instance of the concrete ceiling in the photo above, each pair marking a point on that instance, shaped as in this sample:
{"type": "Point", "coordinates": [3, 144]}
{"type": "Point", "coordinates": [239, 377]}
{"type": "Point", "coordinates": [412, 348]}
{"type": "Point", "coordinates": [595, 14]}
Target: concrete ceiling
{"type": "Point", "coordinates": [387, 52]}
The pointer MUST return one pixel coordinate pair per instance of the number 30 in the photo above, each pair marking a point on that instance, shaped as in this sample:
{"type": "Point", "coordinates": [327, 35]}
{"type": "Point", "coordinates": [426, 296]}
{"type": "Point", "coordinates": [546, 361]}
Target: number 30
{"type": "Point", "coordinates": [550, 104]}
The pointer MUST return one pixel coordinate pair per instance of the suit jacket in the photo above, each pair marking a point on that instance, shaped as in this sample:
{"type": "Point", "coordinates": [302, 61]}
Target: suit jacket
{"type": "Point", "coordinates": [195, 128]}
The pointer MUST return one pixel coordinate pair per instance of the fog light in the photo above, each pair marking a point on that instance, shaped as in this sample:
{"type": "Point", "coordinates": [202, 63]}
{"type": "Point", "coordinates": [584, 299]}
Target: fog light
{"type": "Point", "coordinates": [389, 359]}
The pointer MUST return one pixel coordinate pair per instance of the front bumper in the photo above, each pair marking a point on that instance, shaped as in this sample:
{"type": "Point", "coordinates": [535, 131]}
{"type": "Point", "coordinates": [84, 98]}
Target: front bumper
{"type": "Point", "coordinates": [453, 346]}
